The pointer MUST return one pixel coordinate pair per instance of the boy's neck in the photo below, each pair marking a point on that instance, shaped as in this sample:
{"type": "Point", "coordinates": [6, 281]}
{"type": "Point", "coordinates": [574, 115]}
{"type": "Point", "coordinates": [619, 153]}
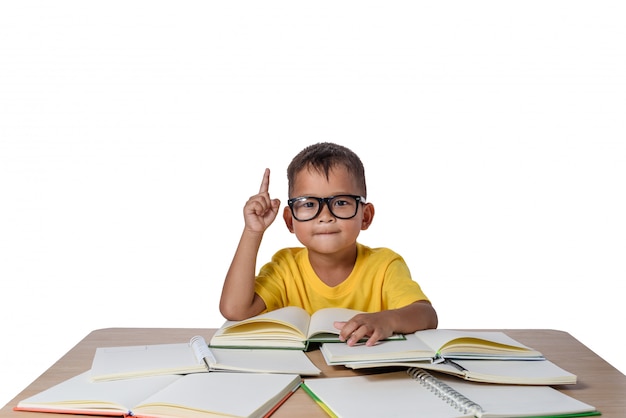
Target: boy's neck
{"type": "Point", "coordinates": [333, 269]}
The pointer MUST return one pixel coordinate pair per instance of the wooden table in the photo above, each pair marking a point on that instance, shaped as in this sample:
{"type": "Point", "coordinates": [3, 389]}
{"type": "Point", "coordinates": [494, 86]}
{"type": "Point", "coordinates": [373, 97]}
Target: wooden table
{"type": "Point", "coordinates": [599, 383]}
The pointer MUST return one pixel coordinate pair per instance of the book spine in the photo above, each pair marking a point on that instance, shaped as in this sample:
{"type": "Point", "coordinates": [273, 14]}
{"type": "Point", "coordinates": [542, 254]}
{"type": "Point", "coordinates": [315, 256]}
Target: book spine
{"type": "Point", "coordinates": [445, 392]}
{"type": "Point", "coordinates": [318, 401]}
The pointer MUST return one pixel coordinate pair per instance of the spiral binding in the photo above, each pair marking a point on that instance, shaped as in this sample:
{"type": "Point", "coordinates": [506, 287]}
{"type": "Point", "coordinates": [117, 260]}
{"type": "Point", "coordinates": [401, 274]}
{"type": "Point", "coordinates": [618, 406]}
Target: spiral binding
{"type": "Point", "coordinates": [201, 350]}
{"type": "Point", "coordinates": [445, 392]}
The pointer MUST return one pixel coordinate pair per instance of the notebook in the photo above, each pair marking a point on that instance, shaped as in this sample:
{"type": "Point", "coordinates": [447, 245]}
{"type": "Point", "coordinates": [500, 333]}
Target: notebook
{"type": "Point", "coordinates": [435, 345]}
{"type": "Point", "coordinates": [290, 327]}
{"type": "Point", "coordinates": [518, 372]}
{"type": "Point", "coordinates": [416, 392]}
{"type": "Point", "coordinates": [193, 357]}
{"type": "Point", "coordinates": [185, 396]}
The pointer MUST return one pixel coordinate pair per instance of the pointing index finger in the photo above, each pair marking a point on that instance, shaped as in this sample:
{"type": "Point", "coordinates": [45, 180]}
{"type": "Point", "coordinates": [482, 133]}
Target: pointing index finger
{"type": "Point", "coordinates": [265, 184]}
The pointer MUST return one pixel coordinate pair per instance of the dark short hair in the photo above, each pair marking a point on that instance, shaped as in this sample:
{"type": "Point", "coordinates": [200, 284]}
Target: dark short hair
{"type": "Point", "coordinates": [323, 157]}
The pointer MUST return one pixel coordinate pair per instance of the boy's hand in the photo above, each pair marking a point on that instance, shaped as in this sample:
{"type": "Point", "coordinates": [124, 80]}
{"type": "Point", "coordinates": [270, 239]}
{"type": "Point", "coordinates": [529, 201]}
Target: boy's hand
{"type": "Point", "coordinates": [260, 211]}
{"type": "Point", "coordinates": [377, 326]}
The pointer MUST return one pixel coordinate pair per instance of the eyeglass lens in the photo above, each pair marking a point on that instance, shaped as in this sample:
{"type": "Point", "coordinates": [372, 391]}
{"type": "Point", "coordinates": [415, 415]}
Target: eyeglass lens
{"type": "Point", "coordinates": [307, 208]}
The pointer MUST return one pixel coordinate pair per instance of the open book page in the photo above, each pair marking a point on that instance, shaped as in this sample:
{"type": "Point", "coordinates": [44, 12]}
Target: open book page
{"type": "Point", "coordinates": [124, 362]}
{"type": "Point", "coordinates": [520, 372]}
{"type": "Point", "coordinates": [409, 349]}
{"type": "Point", "coordinates": [288, 327]}
{"type": "Point", "coordinates": [531, 372]}
{"type": "Point", "coordinates": [474, 344]}
{"type": "Point", "coordinates": [295, 319]}
{"type": "Point", "coordinates": [285, 324]}
{"type": "Point", "coordinates": [426, 345]}
{"type": "Point", "coordinates": [398, 394]}
{"type": "Point", "coordinates": [263, 361]}
{"type": "Point", "coordinates": [222, 394]}
{"type": "Point", "coordinates": [518, 401]}
{"type": "Point", "coordinates": [380, 395]}
{"type": "Point", "coordinates": [322, 322]}
{"type": "Point", "coordinates": [80, 393]}
{"type": "Point", "coordinates": [145, 360]}
{"type": "Point", "coordinates": [183, 396]}
{"type": "Point", "coordinates": [322, 326]}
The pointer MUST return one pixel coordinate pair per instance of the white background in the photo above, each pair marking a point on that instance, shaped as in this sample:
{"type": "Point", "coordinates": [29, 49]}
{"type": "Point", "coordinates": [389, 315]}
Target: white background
{"type": "Point", "coordinates": [132, 133]}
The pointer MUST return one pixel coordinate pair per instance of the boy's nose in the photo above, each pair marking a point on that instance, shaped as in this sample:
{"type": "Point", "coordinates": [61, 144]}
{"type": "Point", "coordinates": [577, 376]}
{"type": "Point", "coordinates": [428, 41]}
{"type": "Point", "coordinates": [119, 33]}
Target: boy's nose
{"type": "Point", "coordinates": [325, 213]}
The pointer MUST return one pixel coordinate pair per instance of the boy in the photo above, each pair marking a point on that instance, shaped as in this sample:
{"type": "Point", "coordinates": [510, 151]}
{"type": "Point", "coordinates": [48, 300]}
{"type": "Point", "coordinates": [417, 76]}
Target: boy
{"type": "Point", "coordinates": [327, 209]}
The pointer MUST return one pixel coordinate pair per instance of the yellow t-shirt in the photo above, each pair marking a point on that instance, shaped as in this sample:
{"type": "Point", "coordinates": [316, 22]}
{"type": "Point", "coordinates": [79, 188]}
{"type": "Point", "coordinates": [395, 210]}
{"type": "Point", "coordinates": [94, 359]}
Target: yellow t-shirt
{"type": "Point", "coordinates": [379, 281]}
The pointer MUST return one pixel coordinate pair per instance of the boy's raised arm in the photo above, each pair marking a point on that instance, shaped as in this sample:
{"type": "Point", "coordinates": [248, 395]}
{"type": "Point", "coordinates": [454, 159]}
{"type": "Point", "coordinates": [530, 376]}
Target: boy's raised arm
{"type": "Point", "coordinates": [238, 300]}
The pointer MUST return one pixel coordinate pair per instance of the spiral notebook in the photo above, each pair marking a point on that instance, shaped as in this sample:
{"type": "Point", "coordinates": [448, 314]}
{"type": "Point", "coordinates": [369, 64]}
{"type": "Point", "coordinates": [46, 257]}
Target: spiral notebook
{"type": "Point", "coordinates": [416, 392]}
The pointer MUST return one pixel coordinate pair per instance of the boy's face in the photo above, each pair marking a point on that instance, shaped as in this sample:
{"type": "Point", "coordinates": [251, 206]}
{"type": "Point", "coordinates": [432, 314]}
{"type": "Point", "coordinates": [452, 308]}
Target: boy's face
{"type": "Point", "coordinates": [327, 234]}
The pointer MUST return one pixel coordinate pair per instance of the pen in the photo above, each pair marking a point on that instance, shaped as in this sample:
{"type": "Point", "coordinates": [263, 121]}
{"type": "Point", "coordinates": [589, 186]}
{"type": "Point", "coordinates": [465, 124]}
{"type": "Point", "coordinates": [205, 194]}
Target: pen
{"type": "Point", "coordinates": [455, 365]}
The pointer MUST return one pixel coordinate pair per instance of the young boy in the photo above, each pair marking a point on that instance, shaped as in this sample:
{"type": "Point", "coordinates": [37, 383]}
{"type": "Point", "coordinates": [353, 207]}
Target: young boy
{"type": "Point", "coordinates": [327, 209]}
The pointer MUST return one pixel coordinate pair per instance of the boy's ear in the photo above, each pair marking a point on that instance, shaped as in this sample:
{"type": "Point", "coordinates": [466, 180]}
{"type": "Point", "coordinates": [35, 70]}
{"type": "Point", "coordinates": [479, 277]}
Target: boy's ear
{"type": "Point", "coordinates": [368, 216]}
{"type": "Point", "coordinates": [288, 218]}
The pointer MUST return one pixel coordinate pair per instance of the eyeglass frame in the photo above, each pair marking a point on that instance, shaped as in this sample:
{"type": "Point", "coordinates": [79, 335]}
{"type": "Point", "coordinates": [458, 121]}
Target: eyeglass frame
{"type": "Point", "coordinates": [326, 200]}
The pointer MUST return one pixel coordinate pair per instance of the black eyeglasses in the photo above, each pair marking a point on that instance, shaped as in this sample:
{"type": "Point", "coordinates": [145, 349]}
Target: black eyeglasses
{"type": "Point", "coordinates": [306, 208]}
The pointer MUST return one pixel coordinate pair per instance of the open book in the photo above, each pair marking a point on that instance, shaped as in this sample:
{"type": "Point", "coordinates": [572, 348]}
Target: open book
{"type": "Point", "coordinates": [184, 396]}
{"type": "Point", "coordinates": [434, 345]}
{"type": "Point", "coordinates": [111, 363]}
{"type": "Point", "coordinates": [288, 327]}
{"type": "Point", "coordinates": [513, 372]}
{"type": "Point", "coordinates": [418, 393]}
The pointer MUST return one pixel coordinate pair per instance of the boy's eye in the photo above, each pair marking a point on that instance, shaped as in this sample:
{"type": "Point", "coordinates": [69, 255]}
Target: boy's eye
{"type": "Point", "coordinates": [306, 204]}
{"type": "Point", "coordinates": [342, 202]}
